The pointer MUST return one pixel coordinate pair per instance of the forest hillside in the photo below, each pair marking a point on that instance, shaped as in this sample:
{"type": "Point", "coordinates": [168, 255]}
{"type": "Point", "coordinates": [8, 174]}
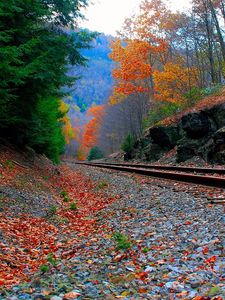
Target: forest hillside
{"type": "Point", "coordinates": [96, 82]}
{"type": "Point", "coordinates": [164, 63]}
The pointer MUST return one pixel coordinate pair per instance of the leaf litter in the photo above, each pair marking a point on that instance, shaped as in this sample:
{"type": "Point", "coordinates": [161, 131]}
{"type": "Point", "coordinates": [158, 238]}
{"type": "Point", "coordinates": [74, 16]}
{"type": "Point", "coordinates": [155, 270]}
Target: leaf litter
{"type": "Point", "coordinates": [132, 239]}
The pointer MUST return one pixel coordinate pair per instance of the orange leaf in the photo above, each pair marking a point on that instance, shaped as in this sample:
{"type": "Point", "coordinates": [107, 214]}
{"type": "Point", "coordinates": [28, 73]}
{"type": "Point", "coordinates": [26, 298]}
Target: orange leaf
{"type": "Point", "coordinates": [188, 223]}
{"type": "Point", "coordinates": [71, 295]}
{"type": "Point", "coordinates": [205, 250]}
{"type": "Point", "coordinates": [212, 259]}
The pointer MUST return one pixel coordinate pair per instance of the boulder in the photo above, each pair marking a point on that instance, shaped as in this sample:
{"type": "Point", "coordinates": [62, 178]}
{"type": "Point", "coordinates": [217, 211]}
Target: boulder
{"type": "Point", "coordinates": [219, 138]}
{"type": "Point", "coordinates": [186, 150]}
{"type": "Point", "coordinates": [197, 125]}
{"type": "Point", "coordinates": [165, 136]}
{"type": "Point", "coordinates": [217, 113]}
{"type": "Point", "coordinates": [200, 134]}
{"type": "Point", "coordinates": [153, 152]}
{"type": "Point", "coordinates": [217, 151]}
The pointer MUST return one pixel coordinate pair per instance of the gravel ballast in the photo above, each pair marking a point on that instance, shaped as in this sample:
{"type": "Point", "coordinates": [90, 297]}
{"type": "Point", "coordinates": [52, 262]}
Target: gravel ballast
{"type": "Point", "coordinates": [172, 247]}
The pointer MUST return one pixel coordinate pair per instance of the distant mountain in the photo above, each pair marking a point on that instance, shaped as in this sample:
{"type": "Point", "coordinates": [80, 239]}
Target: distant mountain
{"type": "Point", "coordinates": [95, 84]}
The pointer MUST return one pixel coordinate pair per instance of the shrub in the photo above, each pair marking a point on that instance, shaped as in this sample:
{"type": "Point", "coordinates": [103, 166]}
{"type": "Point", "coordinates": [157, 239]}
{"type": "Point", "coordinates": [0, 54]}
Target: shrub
{"type": "Point", "coordinates": [95, 153]}
{"type": "Point", "coordinates": [193, 96]}
{"type": "Point", "coordinates": [44, 268]}
{"type": "Point", "coordinates": [45, 133]}
{"type": "Point", "coordinates": [65, 196]}
{"type": "Point", "coordinates": [160, 111]}
{"type": "Point", "coordinates": [128, 143]}
{"type": "Point", "coordinates": [213, 90]}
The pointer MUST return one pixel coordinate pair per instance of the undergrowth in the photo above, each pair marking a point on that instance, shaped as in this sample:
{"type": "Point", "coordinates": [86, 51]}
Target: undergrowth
{"type": "Point", "coordinates": [122, 241]}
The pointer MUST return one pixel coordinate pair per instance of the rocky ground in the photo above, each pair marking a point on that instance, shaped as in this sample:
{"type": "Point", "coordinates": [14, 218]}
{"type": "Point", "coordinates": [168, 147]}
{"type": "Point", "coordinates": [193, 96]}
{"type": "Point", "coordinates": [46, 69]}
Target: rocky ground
{"type": "Point", "coordinates": [130, 237]}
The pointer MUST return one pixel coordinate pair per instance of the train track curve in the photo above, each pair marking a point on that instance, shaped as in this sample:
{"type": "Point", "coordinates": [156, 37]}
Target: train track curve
{"type": "Point", "coordinates": [177, 173]}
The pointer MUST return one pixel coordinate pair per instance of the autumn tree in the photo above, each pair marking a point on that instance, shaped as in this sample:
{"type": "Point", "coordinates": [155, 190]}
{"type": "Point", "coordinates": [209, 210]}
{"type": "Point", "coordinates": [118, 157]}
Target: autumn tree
{"type": "Point", "coordinates": [121, 119]}
{"type": "Point", "coordinates": [174, 82]}
{"type": "Point", "coordinates": [91, 130]}
{"type": "Point", "coordinates": [147, 26]}
{"type": "Point", "coordinates": [132, 67]}
{"type": "Point", "coordinates": [68, 130]}
{"type": "Point", "coordinates": [209, 39]}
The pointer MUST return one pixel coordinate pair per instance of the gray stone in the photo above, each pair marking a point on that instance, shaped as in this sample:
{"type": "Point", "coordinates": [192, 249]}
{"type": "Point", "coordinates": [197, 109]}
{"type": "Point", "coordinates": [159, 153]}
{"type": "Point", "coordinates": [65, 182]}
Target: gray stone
{"type": "Point", "coordinates": [217, 112]}
{"type": "Point", "coordinates": [24, 297]}
{"type": "Point", "coordinates": [197, 125]}
{"type": "Point", "coordinates": [195, 284]}
{"type": "Point", "coordinates": [200, 134]}
{"type": "Point", "coordinates": [165, 136]}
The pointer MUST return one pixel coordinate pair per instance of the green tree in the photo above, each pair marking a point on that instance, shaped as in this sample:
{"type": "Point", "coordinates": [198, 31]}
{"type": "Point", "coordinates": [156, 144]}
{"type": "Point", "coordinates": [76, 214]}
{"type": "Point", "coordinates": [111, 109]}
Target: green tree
{"type": "Point", "coordinates": [128, 145]}
{"type": "Point", "coordinates": [95, 153]}
{"type": "Point", "coordinates": [45, 134]}
{"type": "Point", "coordinates": [35, 52]}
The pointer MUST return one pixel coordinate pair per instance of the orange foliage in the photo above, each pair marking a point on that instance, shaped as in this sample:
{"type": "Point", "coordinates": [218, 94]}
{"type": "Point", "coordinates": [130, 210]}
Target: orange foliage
{"type": "Point", "coordinates": [174, 81]}
{"type": "Point", "coordinates": [91, 130]}
{"type": "Point", "coordinates": [148, 26]}
{"type": "Point", "coordinates": [145, 25]}
{"type": "Point", "coordinates": [144, 49]}
{"type": "Point", "coordinates": [133, 67]}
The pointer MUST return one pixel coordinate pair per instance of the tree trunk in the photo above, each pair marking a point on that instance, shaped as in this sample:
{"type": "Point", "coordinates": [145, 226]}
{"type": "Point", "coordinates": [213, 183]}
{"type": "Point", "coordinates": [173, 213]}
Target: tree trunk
{"type": "Point", "coordinates": [222, 8]}
{"type": "Point", "coordinates": [210, 45]}
{"type": "Point", "coordinates": [220, 36]}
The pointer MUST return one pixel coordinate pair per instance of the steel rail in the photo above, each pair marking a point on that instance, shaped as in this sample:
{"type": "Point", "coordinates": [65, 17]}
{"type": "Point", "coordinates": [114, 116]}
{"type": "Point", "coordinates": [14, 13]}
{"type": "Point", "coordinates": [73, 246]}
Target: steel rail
{"type": "Point", "coordinates": [172, 168]}
{"type": "Point", "coordinates": [206, 180]}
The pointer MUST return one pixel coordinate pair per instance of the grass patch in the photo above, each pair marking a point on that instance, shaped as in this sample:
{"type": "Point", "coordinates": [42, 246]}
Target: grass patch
{"type": "Point", "coordinates": [73, 206]}
{"type": "Point", "coordinates": [64, 221]}
{"type": "Point", "coordinates": [145, 250]}
{"type": "Point", "coordinates": [65, 196]}
{"type": "Point", "coordinates": [44, 268]}
{"type": "Point", "coordinates": [9, 164]}
{"type": "Point", "coordinates": [122, 241]}
{"type": "Point", "coordinates": [102, 185]}
{"type": "Point", "coordinates": [52, 260]}
{"type": "Point", "coordinates": [52, 210]}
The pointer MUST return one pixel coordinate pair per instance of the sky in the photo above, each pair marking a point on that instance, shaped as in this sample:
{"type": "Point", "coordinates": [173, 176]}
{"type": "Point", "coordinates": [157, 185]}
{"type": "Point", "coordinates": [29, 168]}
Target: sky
{"type": "Point", "coordinates": [108, 15]}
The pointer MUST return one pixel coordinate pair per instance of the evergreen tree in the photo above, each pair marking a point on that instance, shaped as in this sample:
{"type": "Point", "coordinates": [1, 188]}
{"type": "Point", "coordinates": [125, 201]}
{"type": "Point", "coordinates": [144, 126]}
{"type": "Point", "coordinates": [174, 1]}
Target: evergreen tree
{"type": "Point", "coordinates": [35, 51]}
{"type": "Point", "coordinates": [128, 145]}
{"type": "Point", "coordinates": [95, 153]}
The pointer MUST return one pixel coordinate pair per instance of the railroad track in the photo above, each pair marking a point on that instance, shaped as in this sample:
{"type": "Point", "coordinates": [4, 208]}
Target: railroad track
{"type": "Point", "coordinates": [177, 173]}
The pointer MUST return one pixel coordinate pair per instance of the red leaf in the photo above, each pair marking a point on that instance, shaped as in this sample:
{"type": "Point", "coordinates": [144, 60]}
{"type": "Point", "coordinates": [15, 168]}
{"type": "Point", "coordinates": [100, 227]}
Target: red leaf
{"type": "Point", "coordinates": [205, 250]}
{"type": "Point", "coordinates": [212, 259]}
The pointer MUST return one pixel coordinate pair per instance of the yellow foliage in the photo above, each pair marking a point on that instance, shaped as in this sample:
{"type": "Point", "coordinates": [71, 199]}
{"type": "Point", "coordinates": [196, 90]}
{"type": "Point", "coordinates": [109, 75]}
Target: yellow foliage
{"type": "Point", "coordinates": [174, 81]}
{"type": "Point", "coordinates": [68, 130]}
{"type": "Point", "coordinates": [116, 98]}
